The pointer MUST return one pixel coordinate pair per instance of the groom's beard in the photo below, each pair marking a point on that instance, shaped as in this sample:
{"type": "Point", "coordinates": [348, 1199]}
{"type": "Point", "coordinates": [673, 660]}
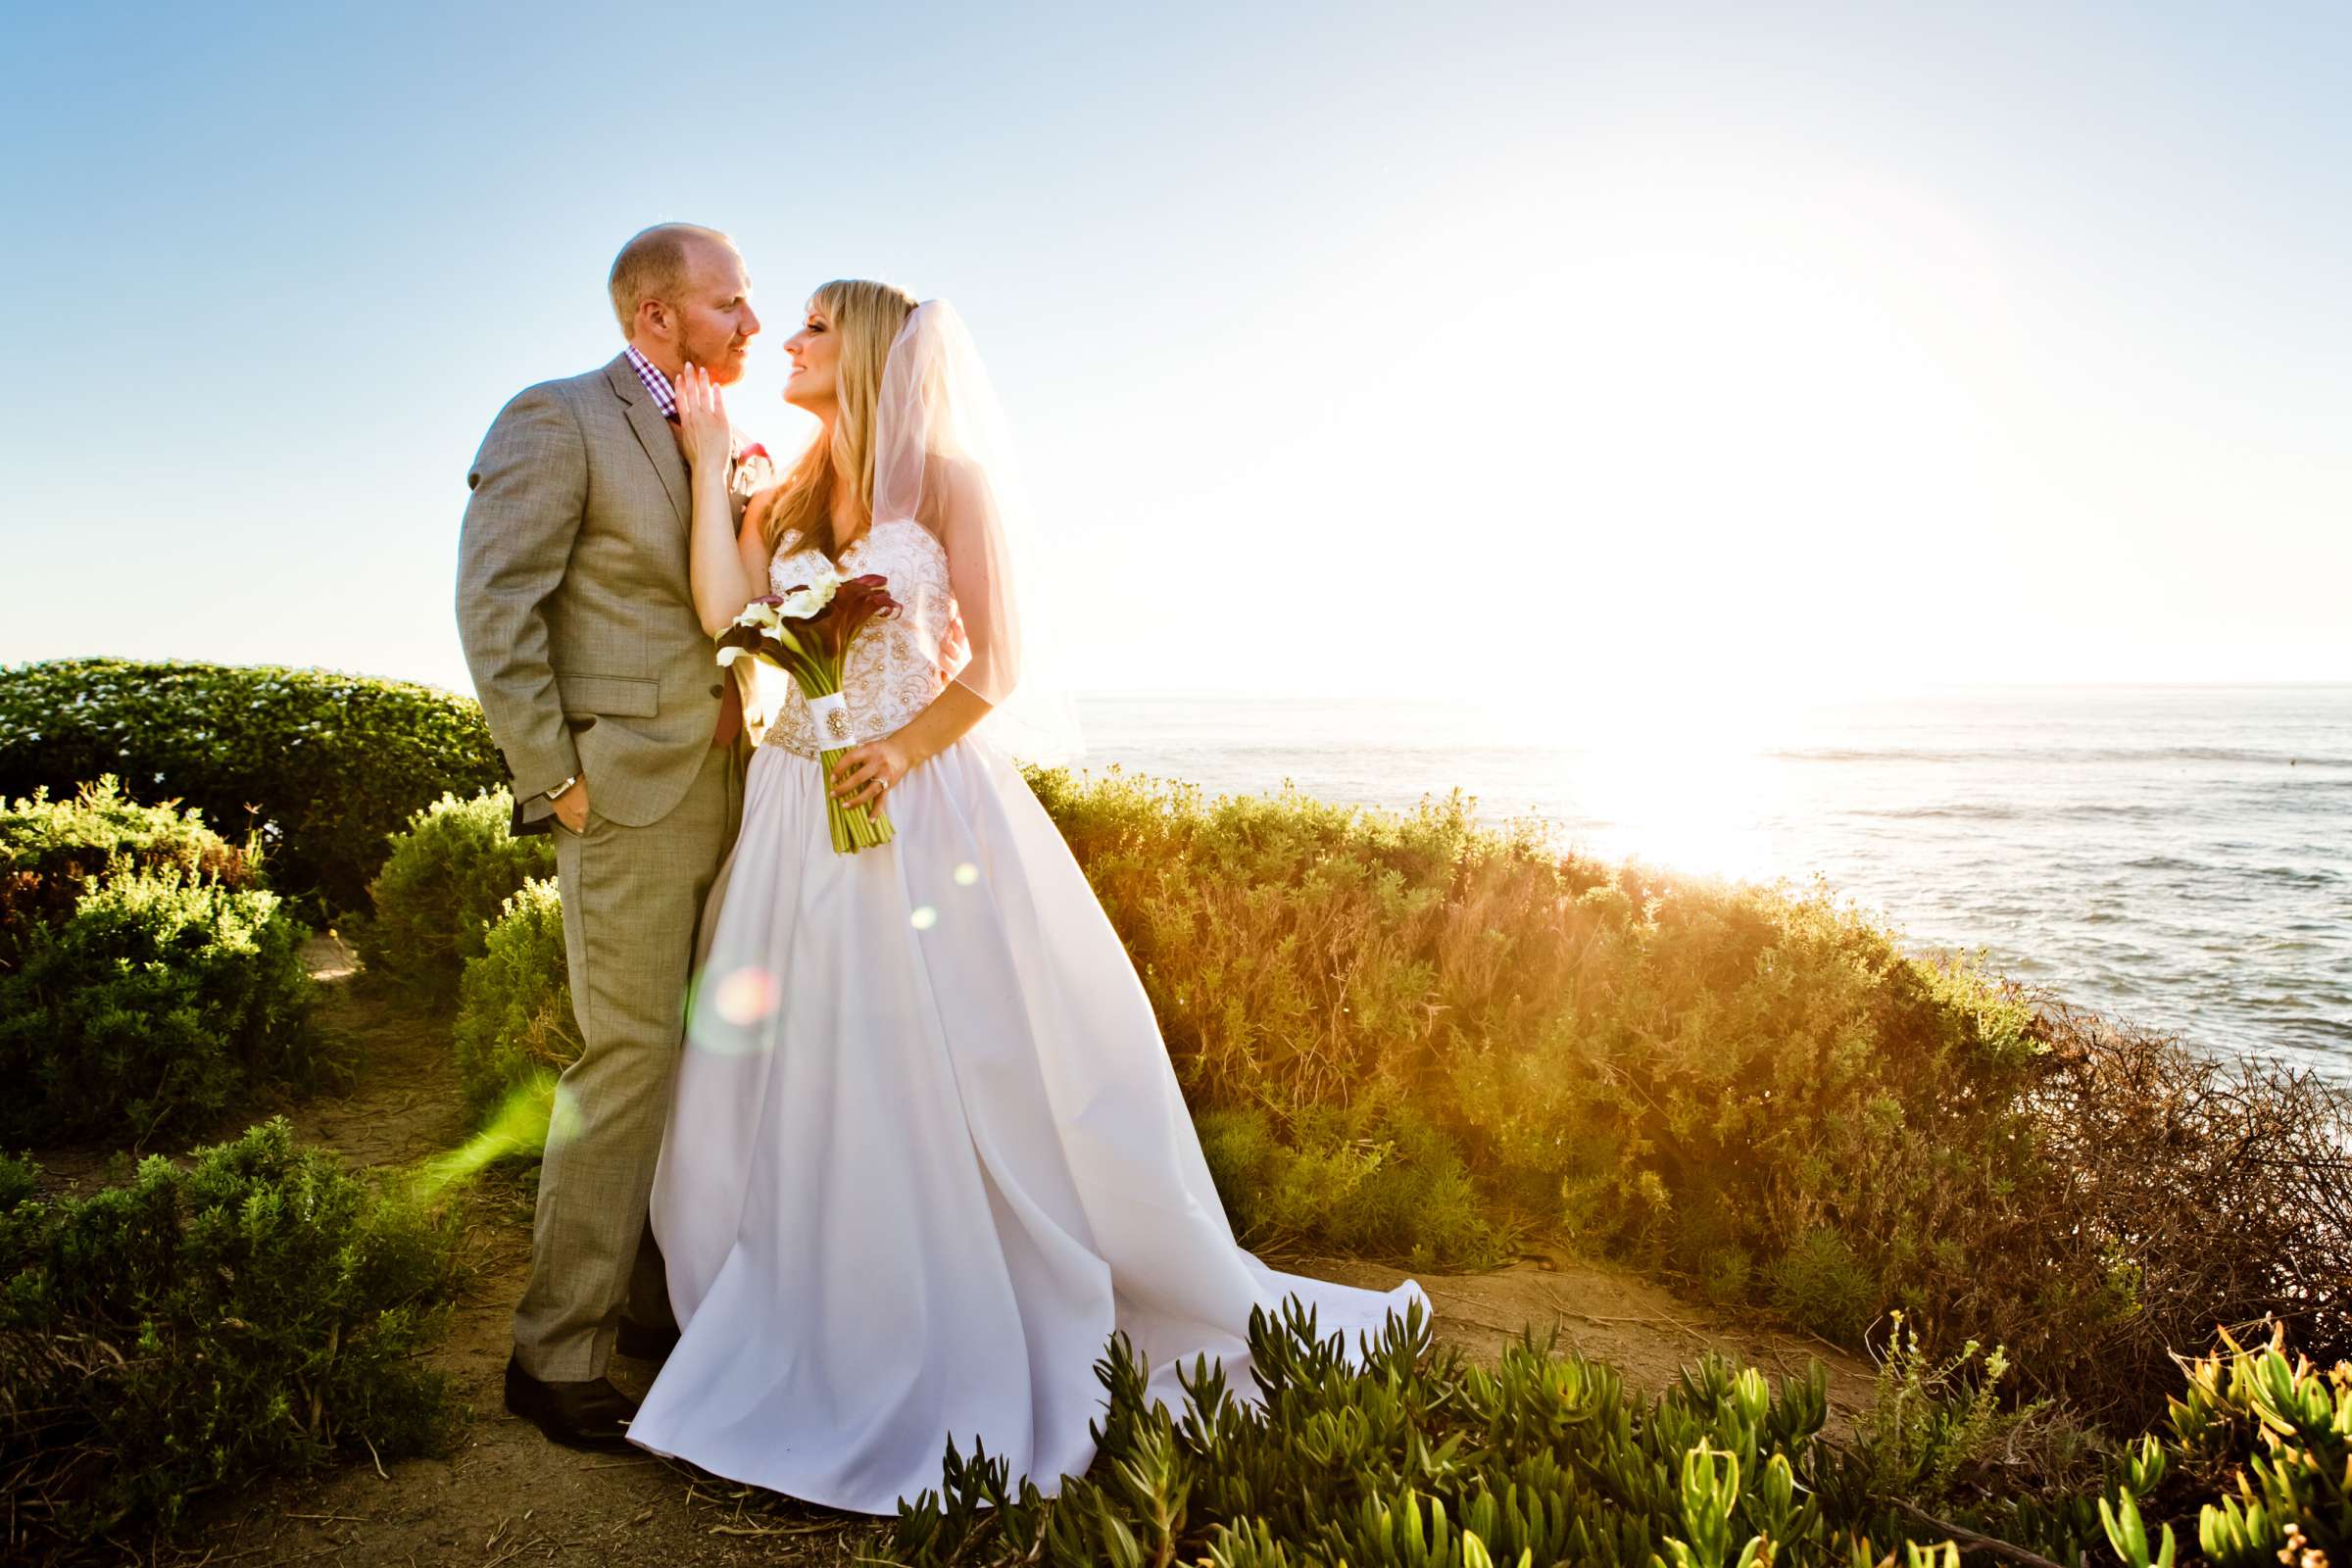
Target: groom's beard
{"type": "Point", "coordinates": [727, 368]}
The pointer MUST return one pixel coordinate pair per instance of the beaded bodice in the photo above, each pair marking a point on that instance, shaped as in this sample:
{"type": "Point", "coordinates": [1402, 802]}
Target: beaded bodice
{"type": "Point", "coordinates": [894, 669]}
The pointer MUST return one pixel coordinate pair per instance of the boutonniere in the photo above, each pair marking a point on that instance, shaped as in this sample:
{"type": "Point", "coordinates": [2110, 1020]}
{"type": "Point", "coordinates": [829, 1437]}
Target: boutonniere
{"type": "Point", "coordinates": [755, 471]}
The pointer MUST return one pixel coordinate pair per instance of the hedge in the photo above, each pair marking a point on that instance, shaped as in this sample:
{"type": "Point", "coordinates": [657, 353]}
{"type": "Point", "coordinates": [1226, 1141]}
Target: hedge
{"type": "Point", "coordinates": [323, 766]}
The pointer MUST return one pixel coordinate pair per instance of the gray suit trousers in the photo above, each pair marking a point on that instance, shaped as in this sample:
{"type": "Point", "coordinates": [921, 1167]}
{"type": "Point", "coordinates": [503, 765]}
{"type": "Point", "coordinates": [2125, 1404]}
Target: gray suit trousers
{"type": "Point", "coordinates": [632, 901]}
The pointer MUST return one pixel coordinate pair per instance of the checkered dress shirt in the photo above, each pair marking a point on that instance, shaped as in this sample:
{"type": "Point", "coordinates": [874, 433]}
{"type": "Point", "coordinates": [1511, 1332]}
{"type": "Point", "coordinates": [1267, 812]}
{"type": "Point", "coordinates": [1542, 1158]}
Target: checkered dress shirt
{"type": "Point", "coordinates": [665, 397]}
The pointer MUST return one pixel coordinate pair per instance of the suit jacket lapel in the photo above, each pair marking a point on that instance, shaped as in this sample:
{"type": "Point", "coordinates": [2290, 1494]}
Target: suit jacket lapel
{"type": "Point", "coordinates": [652, 433]}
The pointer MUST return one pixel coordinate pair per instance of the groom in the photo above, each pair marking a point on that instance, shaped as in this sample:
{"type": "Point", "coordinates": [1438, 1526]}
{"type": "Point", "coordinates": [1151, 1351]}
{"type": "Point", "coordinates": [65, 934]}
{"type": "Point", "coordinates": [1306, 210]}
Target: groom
{"type": "Point", "coordinates": [621, 734]}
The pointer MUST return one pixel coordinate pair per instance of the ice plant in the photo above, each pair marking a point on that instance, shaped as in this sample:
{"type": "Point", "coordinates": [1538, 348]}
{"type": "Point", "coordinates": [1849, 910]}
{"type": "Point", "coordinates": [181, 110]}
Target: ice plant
{"type": "Point", "coordinates": [806, 631]}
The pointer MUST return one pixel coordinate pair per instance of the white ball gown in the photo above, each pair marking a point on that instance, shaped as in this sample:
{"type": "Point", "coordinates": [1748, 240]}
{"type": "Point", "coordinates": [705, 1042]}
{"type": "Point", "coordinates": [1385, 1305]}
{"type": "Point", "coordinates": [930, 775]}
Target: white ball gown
{"type": "Point", "coordinates": [926, 1150]}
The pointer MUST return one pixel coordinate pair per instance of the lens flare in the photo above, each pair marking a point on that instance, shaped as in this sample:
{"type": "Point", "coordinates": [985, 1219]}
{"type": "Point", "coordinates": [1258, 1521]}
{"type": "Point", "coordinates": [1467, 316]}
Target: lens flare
{"type": "Point", "coordinates": [518, 1127]}
{"type": "Point", "coordinates": [746, 997]}
{"type": "Point", "coordinates": [925, 918]}
{"type": "Point", "coordinates": [966, 874]}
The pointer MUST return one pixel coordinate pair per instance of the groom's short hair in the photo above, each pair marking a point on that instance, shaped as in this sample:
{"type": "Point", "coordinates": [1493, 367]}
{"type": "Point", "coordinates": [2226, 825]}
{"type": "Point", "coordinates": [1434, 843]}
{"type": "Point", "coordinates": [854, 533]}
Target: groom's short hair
{"type": "Point", "coordinates": [653, 266]}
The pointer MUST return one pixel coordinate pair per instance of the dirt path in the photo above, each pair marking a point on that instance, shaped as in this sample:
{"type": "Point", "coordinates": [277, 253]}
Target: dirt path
{"type": "Point", "coordinates": [507, 1495]}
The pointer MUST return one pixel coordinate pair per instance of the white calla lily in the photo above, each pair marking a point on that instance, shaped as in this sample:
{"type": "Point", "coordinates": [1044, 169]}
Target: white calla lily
{"type": "Point", "coordinates": [760, 616]}
{"type": "Point", "coordinates": [811, 599]}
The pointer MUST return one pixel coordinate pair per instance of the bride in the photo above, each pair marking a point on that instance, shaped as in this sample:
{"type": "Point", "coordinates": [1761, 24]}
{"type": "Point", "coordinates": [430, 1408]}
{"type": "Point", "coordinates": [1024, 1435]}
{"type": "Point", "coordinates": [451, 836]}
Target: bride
{"type": "Point", "coordinates": [926, 1152]}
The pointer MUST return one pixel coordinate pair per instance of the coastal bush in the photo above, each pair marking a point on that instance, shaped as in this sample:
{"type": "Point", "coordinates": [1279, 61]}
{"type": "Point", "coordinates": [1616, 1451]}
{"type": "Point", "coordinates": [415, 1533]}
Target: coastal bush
{"type": "Point", "coordinates": [145, 981]}
{"type": "Point", "coordinates": [514, 1018]}
{"type": "Point", "coordinates": [257, 1310]}
{"type": "Point", "coordinates": [1940, 1441]}
{"type": "Point", "coordinates": [447, 876]}
{"type": "Point", "coordinates": [1403, 1192]}
{"type": "Point", "coordinates": [1416, 1457]}
{"type": "Point", "coordinates": [2203, 1192]}
{"type": "Point", "coordinates": [1754, 1087]}
{"type": "Point", "coordinates": [322, 766]}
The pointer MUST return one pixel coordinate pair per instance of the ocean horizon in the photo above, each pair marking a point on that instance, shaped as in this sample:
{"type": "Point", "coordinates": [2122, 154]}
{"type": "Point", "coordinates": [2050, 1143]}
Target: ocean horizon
{"type": "Point", "coordinates": [2175, 857]}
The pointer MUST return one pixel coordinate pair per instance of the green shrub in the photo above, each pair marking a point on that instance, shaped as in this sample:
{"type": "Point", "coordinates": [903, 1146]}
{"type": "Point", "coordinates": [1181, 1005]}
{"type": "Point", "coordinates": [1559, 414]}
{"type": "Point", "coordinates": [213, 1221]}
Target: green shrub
{"type": "Point", "coordinates": [330, 765]}
{"type": "Point", "coordinates": [1941, 1438]}
{"type": "Point", "coordinates": [257, 1312]}
{"type": "Point", "coordinates": [514, 1018]}
{"type": "Point", "coordinates": [51, 850]}
{"type": "Point", "coordinates": [1404, 1197]}
{"type": "Point", "coordinates": [443, 884]}
{"type": "Point", "coordinates": [146, 989]}
{"type": "Point", "coordinates": [1820, 1281]}
{"type": "Point", "coordinates": [1754, 1087]}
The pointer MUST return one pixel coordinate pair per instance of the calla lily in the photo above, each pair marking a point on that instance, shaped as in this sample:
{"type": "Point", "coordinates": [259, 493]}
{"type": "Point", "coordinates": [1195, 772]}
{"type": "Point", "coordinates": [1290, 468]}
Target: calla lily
{"type": "Point", "coordinates": [807, 632]}
{"type": "Point", "coordinates": [808, 601]}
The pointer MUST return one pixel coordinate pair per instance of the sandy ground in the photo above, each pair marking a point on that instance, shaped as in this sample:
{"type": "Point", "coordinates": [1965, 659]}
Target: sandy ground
{"type": "Point", "coordinates": [507, 1495]}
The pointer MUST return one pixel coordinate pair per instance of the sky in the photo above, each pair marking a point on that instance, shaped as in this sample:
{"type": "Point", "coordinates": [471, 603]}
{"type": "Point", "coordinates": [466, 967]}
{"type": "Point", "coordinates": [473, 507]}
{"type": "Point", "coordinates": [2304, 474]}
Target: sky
{"type": "Point", "coordinates": [1547, 354]}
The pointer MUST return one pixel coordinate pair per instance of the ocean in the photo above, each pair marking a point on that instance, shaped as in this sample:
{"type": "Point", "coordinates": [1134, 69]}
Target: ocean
{"type": "Point", "coordinates": [2179, 858]}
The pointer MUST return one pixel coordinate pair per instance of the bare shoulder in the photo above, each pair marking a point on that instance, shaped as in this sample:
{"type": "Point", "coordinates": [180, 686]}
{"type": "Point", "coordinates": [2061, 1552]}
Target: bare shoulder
{"type": "Point", "coordinates": [951, 485]}
{"type": "Point", "coordinates": [947, 469]}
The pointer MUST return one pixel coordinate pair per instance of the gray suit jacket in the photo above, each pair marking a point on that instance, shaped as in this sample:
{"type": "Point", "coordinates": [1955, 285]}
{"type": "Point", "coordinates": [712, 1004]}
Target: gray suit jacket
{"type": "Point", "coordinates": [573, 601]}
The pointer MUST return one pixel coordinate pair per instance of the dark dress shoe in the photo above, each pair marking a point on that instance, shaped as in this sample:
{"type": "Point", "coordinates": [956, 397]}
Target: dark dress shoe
{"type": "Point", "coordinates": [593, 1414]}
{"type": "Point", "coordinates": [641, 1342]}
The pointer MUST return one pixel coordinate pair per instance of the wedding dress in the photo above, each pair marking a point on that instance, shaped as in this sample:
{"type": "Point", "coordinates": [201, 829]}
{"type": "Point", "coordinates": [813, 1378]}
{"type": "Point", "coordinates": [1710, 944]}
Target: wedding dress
{"type": "Point", "coordinates": [926, 1150]}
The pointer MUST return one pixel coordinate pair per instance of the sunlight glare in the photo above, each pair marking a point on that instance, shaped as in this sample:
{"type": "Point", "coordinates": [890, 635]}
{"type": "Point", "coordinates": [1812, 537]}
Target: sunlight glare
{"type": "Point", "coordinates": [1669, 761]}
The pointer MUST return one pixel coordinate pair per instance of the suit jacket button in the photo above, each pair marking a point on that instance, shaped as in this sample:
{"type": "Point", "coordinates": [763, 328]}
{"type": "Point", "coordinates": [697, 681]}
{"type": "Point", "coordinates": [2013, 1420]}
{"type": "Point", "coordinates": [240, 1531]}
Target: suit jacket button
{"type": "Point", "coordinates": [719, 690]}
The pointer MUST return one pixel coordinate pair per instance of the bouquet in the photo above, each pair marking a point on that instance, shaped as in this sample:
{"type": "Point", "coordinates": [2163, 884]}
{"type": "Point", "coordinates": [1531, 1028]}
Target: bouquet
{"type": "Point", "coordinates": [806, 631]}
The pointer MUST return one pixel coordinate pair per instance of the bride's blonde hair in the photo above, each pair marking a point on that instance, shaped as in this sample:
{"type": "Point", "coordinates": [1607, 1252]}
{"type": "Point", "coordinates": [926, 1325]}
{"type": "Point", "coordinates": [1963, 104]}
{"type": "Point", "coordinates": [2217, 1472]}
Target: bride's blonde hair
{"type": "Point", "coordinates": [866, 319]}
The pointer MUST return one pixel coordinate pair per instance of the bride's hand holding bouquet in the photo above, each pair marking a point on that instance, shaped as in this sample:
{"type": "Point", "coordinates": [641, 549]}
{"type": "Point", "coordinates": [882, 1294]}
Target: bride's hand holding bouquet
{"type": "Point", "coordinates": [863, 772]}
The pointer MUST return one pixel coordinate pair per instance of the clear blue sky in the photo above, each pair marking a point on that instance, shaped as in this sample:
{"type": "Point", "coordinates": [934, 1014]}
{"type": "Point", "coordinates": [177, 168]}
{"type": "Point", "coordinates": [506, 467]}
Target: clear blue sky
{"type": "Point", "coordinates": [1704, 346]}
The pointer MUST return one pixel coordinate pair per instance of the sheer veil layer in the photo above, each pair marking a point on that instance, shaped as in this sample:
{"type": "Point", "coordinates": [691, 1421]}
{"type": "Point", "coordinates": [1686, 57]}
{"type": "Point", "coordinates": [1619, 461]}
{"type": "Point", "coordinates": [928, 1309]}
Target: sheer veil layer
{"type": "Point", "coordinates": [944, 458]}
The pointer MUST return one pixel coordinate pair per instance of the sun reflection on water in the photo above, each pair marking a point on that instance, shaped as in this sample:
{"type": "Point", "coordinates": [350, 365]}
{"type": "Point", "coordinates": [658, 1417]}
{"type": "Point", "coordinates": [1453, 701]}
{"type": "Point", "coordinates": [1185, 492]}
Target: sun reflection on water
{"type": "Point", "coordinates": [1669, 776]}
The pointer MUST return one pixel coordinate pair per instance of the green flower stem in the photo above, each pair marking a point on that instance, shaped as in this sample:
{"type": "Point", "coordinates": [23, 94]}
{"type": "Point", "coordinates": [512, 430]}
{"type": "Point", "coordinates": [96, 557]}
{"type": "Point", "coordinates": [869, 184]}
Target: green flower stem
{"type": "Point", "coordinates": [855, 828]}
